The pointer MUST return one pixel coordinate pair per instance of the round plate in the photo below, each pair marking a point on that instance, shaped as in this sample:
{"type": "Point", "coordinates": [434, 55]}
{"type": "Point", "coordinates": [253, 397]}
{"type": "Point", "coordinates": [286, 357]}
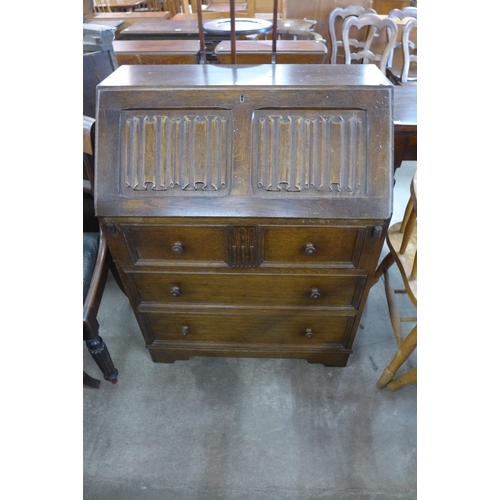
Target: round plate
{"type": "Point", "coordinates": [243, 26]}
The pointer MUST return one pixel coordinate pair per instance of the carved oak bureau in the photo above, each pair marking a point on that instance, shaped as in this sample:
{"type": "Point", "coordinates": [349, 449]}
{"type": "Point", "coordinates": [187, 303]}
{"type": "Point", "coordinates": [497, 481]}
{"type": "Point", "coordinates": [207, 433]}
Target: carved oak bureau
{"type": "Point", "coordinates": [246, 206]}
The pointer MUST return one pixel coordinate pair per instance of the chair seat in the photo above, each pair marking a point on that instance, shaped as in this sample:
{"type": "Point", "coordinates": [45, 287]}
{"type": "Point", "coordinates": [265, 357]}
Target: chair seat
{"type": "Point", "coordinates": [90, 248]}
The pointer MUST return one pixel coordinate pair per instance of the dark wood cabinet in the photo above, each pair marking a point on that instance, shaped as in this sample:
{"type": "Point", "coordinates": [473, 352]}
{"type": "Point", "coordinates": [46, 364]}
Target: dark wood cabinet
{"type": "Point", "coordinates": [246, 206]}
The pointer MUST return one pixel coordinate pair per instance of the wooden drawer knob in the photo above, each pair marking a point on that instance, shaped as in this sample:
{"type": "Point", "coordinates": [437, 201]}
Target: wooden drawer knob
{"type": "Point", "coordinates": [177, 248]}
{"type": "Point", "coordinates": [185, 330]}
{"type": "Point", "coordinates": [309, 333]}
{"type": "Point", "coordinates": [315, 293]}
{"type": "Point", "coordinates": [310, 249]}
{"type": "Point", "coordinates": [176, 291]}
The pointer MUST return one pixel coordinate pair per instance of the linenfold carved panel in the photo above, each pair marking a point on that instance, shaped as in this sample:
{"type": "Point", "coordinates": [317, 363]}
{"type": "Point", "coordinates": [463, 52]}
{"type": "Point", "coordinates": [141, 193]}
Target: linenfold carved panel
{"type": "Point", "coordinates": [176, 152]}
{"type": "Point", "coordinates": [244, 245]}
{"type": "Point", "coordinates": [314, 152]}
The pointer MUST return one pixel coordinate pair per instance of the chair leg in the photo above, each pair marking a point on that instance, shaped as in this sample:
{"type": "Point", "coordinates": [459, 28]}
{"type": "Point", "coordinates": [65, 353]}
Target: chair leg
{"type": "Point", "coordinates": [393, 309]}
{"type": "Point", "coordinates": [100, 353]}
{"type": "Point", "coordinates": [405, 349]}
{"type": "Point", "coordinates": [89, 381]}
{"type": "Point", "coordinates": [382, 268]}
{"type": "Point", "coordinates": [409, 377]}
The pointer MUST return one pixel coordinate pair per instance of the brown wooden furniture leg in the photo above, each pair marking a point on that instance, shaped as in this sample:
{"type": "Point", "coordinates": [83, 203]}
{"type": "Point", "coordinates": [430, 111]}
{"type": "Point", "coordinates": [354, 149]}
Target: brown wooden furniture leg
{"type": "Point", "coordinates": [100, 353]}
{"type": "Point", "coordinates": [393, 309]}
{"type": "Point", "coordinates": [89, 381]}
{"type": "Point", "coordinates": [382, 268]}
{"type": "Point", "coordinates": [409, 377]}
{"type": "Point", "coordinates": [402, 354]}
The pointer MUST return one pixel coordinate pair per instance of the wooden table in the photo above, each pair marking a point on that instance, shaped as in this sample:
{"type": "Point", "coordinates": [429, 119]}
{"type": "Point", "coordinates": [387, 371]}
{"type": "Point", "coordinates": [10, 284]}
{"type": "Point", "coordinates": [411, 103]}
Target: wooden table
{"type": "Point", "coordinates": [242, 27]}
{"type": "Point", "coordinates": [129, 18]}
{"type": "Point", "coordinates": [224, 7]}
{"type": "Point", "coordinates": [175, 29]}
{"type": "Point", "coordinates": [125, 5]}
{"type": "Point", "coordinates": [157, 51]}
{"type": "Point", "coordinates": [287, 52]}
{"type": "Point", "coordinates": [161, 30]}
{"type": "Point", "coordinates": [405, 123]}
{"type": "Point", "coordinates": [112, 23]}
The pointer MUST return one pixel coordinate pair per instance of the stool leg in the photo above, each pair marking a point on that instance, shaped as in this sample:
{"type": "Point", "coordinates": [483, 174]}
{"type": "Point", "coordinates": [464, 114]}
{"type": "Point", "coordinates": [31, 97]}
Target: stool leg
{"type": "Point", "coordinates": [409, 377]}
{"type": "Point", "coordinates": [405, 349]}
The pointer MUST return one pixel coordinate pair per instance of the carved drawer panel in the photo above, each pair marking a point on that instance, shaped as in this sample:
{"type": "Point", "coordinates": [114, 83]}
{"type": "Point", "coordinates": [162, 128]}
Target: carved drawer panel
{"type": "Point", "coordinates": [245, 290]}
{"type": "Point", "coordinates": [243, 328]}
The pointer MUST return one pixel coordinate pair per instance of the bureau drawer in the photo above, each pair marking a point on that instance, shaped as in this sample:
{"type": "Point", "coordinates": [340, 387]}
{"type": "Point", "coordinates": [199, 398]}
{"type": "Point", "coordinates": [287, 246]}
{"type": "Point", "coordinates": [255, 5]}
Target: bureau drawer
{"type": "Point", "coordinates": [341, 246]}
{"type": "Point", "coordinates": [245, 246]}
{"type": "Point", "coordinates": [175, 243]}
{"type": "Point", "coordinates": [260, 290]}
{"type": "Point", "coordinates": [250, 328]}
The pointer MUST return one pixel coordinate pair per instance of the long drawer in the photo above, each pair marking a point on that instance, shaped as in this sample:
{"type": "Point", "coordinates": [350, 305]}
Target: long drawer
{"type": "Point", "coordinates": [256, 290]}
{"type": "Point", "coordinates": [306, 330]}
{"type": "Point", "coordinates": [244, 246]}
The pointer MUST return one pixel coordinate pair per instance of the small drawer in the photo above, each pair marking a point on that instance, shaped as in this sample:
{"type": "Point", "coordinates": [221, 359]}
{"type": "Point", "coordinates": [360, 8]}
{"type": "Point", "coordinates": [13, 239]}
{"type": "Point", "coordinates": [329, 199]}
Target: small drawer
{"type": "Point", "coordinates": [340, 246]}
{"type": "Point", "coordinates": [289, 329]}
{"type": "Point", "coordinates": [149, 243]}
{"type": "Point", "coordinates": [262, 290]}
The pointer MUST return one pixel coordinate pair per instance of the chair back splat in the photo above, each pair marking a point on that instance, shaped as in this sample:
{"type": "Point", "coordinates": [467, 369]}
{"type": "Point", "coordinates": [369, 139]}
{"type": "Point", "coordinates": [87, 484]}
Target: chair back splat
{"type": "Point", "coordinates": [335, 20]}
{"type": "Point", "coordinates": [409, 52]}
{"type": "Point", "coordinates": [396, 63]}
{"type": "Point", "coordinates": [366, 51]}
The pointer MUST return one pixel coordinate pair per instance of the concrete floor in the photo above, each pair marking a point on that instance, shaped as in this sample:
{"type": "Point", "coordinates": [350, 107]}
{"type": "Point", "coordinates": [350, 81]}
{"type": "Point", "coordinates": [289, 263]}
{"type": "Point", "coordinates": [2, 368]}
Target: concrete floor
{"type": "Point", "coordinates": [250, 429]}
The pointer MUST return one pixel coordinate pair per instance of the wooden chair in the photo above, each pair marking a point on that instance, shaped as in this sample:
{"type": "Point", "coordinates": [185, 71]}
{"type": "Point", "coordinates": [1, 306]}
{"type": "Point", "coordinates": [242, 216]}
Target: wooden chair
{"type": "Point", "coordinates": [154, 6]}
{"type": "Point", "coordinates": [402, 242]}
{"type": "Point", "coordinates": [402, 13]}
{"type": "Point", "coordinates": [409, 53]}
{"type": "Point", "coordinates": [95, 271]}
{"type": "Point", "coordinates": [399, 15]}
{"type": "Point", "coordinates": [173, 6]}
{"type": "Point", "coordinates": [335, 21]}
{"type": "Point", "coordinates": [101, 6]}
{"type": "Point", "coordinates": [366, 51]}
